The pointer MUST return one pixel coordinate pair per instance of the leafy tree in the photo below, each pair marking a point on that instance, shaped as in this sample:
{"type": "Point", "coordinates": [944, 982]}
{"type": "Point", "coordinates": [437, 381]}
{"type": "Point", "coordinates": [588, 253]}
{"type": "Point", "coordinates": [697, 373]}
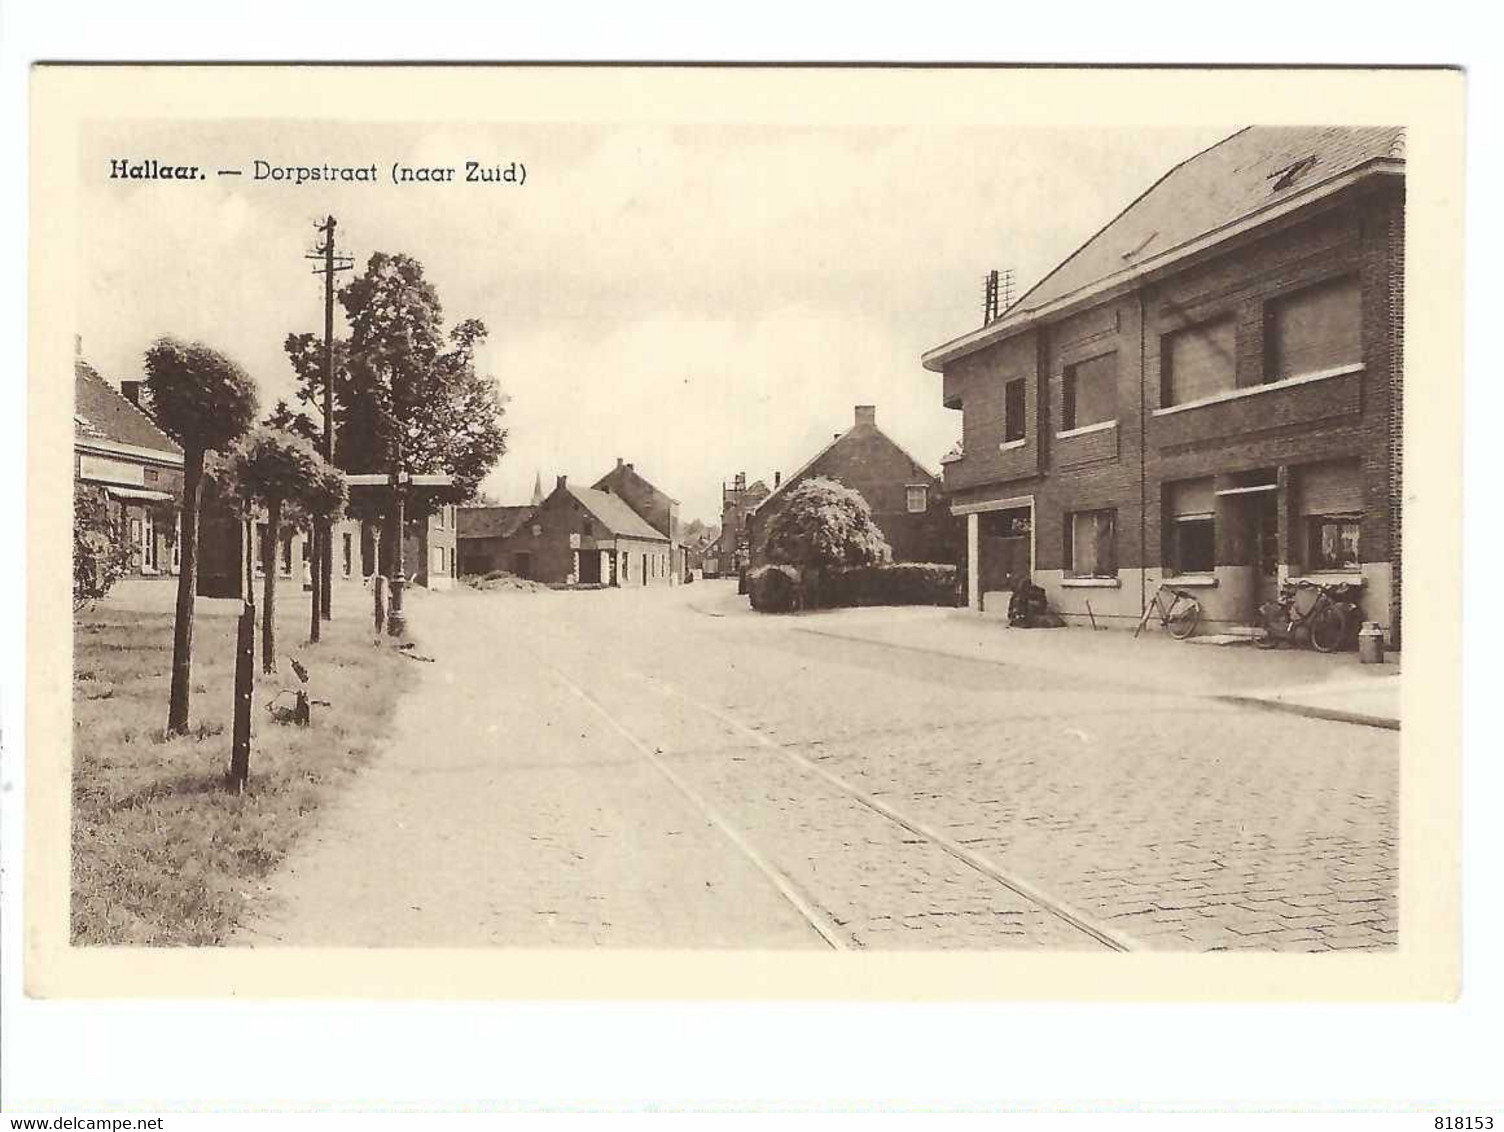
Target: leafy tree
{"type": "Point", "coordinates": [275, 468]}
{"type": "Point", "coordinates": [100, 553]}
{"type": "Point", "coordinates": [820, 525]}
{"type": "Point", "coordinates": [287, 419]}
{"type": "Point", "coordinates": [205, 402]}
{"type": "Point", "coordinates": [401, 382]}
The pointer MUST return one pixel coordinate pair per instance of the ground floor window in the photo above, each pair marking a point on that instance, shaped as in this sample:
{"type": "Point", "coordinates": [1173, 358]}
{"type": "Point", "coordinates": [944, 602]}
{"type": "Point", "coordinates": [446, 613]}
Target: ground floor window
{"type": "Point", "coordinates": [1332, 541]}
{"type": "Point", "coordinates": [1193, 545]}
{"type": "Point", "coordinates": [349, 553]}
{"type": "Point", "coordinates": [1091, 544]}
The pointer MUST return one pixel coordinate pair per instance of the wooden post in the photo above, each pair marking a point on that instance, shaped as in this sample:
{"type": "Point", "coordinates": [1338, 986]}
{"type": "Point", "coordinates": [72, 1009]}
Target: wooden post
{"type": "Point", "coordinates": [245, 663]}
{"type": "Point", "coordinates": [378, 587]}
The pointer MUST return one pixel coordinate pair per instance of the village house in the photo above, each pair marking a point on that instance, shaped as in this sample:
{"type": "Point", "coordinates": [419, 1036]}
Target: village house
{"type": "Point", "coordinates": [481, 535]}
{"type": "Point", "coordinates": [1208, 391]}
{"type": "Point", "coordinates": [733, 553]}
{"type": "Point", "coordinates": [429, 551]}
{"type": "Point", "coordinates": [904, 495]}
{"type": "Point", "coordinates": [658, 509]}
{"type": "Point", "coordinates": [119, 450]}
{"type": "Point", "coordinates": [580, 536]}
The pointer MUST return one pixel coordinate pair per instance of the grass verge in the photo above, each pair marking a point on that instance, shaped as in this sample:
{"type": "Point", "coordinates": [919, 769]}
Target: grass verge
{"type": "Point", "coordinates": [162, 853]}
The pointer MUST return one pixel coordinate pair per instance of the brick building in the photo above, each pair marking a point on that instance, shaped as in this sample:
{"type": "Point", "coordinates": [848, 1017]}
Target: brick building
{"type": "Point", "coordinates": [119, 450]}
{"type": "Point", "coordinates": [1208, 391]}
{"type": "Point", "coordinates": [580, 536]}
{"type": "Point", "coordinates": [657, 508]}
{"type": "Point", "coordinates": [732, 553]}
{"type": "Point", "coordinates": [481, 535]}
{"type": "Point", "coordinates": [904, 496]}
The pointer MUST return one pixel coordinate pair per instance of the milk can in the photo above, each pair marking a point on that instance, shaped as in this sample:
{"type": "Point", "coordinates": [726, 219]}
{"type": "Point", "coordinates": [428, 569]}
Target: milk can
{"type": "Point", "coordinates": [1371, 643]}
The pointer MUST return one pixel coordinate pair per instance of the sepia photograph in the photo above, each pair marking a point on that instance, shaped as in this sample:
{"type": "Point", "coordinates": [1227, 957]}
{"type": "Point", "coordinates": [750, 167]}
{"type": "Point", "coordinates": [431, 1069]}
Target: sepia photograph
{"type": "Point", "coordinates": [654, 533]}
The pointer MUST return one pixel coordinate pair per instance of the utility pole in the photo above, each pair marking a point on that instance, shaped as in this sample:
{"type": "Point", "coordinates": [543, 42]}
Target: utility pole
{"type": "Point", "coordinates": [323, 548]}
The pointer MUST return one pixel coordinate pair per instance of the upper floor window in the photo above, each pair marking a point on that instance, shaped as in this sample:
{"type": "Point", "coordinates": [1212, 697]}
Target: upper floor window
{"type": "Point", "coordinates": [1091, 547]}
{"type": "Point", "coordinates": [1315, 329]}
{"type": "Point", "coordinates": [917, 498]}
{"type": "Point", "coordinates": [1015, 406]}
{"type": "Point", "coordinates": [1197, 362]}
{"type": "Point", "coordinates": [1090, 392]}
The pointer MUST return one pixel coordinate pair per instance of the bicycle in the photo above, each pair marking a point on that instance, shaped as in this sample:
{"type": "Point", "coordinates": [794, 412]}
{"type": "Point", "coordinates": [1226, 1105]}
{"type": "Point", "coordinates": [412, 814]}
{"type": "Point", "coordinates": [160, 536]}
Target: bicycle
{"type": "Point", "coordinates": [1179, 618]}
{"type": "Point", "coordinates": [1325, 616]}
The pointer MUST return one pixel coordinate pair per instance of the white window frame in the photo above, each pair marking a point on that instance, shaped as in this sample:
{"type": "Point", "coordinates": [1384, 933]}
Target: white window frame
{"type": "Point", "coordinates": [924, 498]}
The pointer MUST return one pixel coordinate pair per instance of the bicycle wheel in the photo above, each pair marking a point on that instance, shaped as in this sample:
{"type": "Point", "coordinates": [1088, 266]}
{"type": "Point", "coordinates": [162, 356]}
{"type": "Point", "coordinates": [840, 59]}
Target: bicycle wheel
{"type": "Point", "coordinates": [1328, 627]}
{"type": "Point", "coordinates": [1184, 614]}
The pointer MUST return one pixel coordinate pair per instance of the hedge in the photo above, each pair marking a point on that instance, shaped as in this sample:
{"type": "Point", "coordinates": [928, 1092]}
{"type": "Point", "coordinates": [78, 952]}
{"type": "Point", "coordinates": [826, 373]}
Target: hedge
{"type": "Point", "coordinates": [774, 589]}
{"type": "Point", "coordinates": [777, 589]}
{"type": "Point", "coordinates": [897, 583]}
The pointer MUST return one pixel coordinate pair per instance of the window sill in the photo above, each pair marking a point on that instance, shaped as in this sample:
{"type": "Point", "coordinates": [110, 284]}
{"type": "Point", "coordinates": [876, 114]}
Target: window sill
{"type": "Point", "coordinates": [1327, 578]}
{"type": "Point", "coordinates": [1091, 583]}
{"type": "Point", "coordinates": [1191, 581]}
{"type": "Point", "coordinates": [1100, 426]}
{"type": "Point", "coordinates": [1010, 445]}
{"type": "Point", "coordinates": [1269, 387]}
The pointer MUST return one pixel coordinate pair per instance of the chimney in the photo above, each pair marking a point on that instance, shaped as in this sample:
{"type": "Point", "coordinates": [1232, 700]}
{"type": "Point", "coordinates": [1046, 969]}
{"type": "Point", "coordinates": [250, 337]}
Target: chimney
{"type": "Point", "coordinates": [562, 483]}
{"type": "Point", "coordinates": [630, 468]}
{"type": "Point", "coordinates": [866, 414]}
{"type": "Point", "coordinates": [777, 479]}
{"type": "Point", "coordinates": [132, 392]}
{"type": "Point", "coordinates": [78, 345]}
{"type": "Point", "coordinates": [619, 464]}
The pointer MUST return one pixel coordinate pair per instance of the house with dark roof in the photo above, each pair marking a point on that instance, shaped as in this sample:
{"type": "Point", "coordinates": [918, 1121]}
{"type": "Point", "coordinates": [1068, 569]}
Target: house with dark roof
{"type": "Point", "coordinates": [580, 536]}
{"type": "Point", "coordinates": [903, 494]}
{"type": "Point", "coordinates": [482, 532]}
{"type": "Point", "coordinates": [657, 508]}
{"type": "Point", "coordinates": [119, 451]}
{"type": "Point", "coordinates": [1208, 392]}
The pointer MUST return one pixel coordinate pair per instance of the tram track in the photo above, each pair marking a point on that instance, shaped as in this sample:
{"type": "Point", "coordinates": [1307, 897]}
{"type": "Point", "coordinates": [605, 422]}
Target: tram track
{"type": "Point", "coordinates": [822, 922]}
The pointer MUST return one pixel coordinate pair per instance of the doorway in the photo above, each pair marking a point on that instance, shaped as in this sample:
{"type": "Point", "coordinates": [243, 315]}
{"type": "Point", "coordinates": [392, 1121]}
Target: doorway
{"type": "Point", "coordinates": [590, 568]}
{"type": "Point", "coordinates": [1004, 548]}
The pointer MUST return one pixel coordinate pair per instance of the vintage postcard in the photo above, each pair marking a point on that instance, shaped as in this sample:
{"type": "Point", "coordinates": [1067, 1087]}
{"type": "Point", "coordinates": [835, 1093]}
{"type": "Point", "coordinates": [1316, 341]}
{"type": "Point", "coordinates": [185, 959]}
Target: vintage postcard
{"type": "Point", "coordinates": [744, 531]}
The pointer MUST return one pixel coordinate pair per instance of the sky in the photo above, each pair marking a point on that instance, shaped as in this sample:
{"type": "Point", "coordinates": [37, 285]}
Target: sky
{"type": "Point", "coordinates": [698, 301]}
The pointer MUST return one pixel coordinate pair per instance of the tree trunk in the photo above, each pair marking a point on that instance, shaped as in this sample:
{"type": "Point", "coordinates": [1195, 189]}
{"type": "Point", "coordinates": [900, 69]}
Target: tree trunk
{"type": "Point", "coordinates": [182, 628]}
{"type": "Point", "coordinates": [269, 549]}
{"type": "Point", "coordinates": [326, 581]}
{"type": "Point", "coordinates": [315, 577]}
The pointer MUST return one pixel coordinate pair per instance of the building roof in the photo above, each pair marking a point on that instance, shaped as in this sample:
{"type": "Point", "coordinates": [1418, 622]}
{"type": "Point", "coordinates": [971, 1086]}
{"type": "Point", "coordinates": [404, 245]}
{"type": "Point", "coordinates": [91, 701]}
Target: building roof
{"type": "Point", "coordinates": [869, 426]}
{"type": "Point", "coordinates": [614, 514]}
{"type": "Point", "coordinates": [490, 522]}
{"type": "Point", "coordinates": [102, 413]}
{"type": "Point", "coordinates": [623, 472]}
{"type": "Point", "coordinates": [1258, 170]}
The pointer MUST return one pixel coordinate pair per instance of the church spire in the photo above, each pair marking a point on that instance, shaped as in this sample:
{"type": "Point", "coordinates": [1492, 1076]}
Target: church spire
{"type": "Point", "coordinates": [537, 488]}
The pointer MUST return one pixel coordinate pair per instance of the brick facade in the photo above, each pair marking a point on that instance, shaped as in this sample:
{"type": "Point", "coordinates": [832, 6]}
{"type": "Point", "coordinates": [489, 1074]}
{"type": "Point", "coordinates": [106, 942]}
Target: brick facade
{"type": "Point", "coordinates": [864, 459]}
{"type": "Point", "coordinates": [1232, 446]}
{"type": "Point", "coordinates": [565, 542]}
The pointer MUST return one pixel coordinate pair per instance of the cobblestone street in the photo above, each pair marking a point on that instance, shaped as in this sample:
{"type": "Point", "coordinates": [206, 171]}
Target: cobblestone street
{"type": "Point", "coordinates": [636, 769]}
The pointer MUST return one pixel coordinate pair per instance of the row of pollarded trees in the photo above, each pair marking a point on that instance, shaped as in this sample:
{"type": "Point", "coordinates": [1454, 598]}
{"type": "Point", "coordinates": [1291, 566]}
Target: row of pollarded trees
{"type": "Point", "coordinates": [207, 403]}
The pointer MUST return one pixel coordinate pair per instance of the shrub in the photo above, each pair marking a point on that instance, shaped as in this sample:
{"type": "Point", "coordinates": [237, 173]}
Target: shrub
{"type": "Point", "coordinates": [899, 583]}
{"type": "Point", "coordinates": [100, 553]}
{"type": "Point", "coordinates": [823, 524]}
{"type": "Point", "coordinates": [774, 589]}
